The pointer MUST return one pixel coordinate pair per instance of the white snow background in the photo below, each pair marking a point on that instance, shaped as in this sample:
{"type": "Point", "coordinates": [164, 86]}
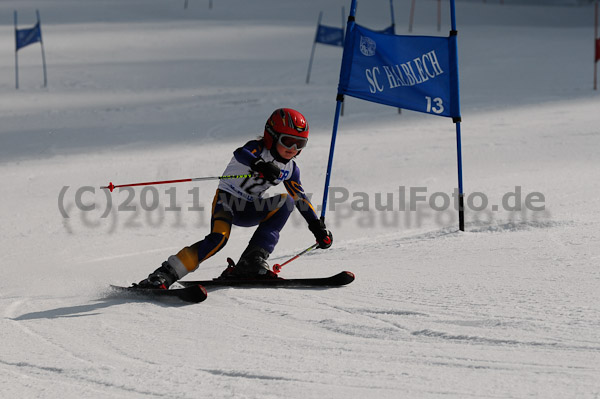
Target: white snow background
{"type": "Point", "coordinates": [143, 90]}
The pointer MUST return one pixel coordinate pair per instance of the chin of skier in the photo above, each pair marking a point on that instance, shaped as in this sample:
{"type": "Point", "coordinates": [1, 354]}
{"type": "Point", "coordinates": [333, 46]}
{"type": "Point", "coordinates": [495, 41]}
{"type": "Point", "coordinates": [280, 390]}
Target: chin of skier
{"type": "Point", "coordinates": [240, 202]}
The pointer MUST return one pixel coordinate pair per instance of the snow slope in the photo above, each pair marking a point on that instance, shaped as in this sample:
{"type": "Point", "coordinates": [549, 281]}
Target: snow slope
{"type": "Point", "coordinates": [147, 90]}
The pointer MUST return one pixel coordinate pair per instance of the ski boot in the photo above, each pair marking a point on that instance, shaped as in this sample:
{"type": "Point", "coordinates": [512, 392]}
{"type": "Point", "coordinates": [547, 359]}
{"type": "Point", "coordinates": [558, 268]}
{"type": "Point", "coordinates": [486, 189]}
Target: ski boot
{"type": "Point", "coordinates": [161, 278]}
{"type": "Point", "coordinates": [252, 264]}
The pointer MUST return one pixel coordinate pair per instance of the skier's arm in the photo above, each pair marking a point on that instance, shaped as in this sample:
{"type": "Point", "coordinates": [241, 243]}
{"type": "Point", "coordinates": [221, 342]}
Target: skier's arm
{"type": "Point", "coordinates": [248, 154]}
{"type": "Point", "coordinates": [315, 225]}
{"type": "Point", "coordinates": [303, 204]}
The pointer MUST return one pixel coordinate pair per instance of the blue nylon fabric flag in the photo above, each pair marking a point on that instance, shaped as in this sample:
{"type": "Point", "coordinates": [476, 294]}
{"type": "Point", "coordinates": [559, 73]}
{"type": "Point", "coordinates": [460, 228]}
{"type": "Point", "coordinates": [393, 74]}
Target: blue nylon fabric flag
{"type": "Point", "coordinates": [330, 35]}
{"type": "Point", "coordinates": [388, 31]}
{"type": "Point", "coordinates": [419, 73]}
{"type": "Point", "coordinates": [26, 37]}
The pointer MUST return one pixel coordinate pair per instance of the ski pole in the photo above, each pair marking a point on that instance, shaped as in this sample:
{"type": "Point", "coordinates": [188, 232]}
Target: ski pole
{"type": "Point", "coordinates": [111, 186]}
{"type": "Point", "coordinates": [277, 267]}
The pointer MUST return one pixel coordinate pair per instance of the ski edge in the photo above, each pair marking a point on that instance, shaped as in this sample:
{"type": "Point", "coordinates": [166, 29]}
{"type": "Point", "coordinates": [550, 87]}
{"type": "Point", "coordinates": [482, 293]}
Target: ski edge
{"type": "Point", "coordinates": [193, 293]}
{"type": "Point", "coordinates": [337, 280]}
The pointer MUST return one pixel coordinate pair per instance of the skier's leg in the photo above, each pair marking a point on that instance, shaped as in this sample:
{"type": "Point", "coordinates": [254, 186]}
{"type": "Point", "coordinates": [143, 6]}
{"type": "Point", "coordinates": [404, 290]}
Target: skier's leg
{"type": "Point", "coordinates": [266, 235]}
{"type": "Point", "coordinates": [189, 258]}
{"type": "Point", "coordinates": [254, 258]}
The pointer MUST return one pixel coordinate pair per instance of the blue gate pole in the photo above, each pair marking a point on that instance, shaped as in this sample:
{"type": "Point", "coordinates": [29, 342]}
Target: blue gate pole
{"type": "Point", "coordinates": [16, 55]}
{"type": "Point", "coordinates": [338, 108]}
{"type": "Point", "coordinates": [312, 53]}
{"type": "Point", "coordinates": [343, 41]}
{"type": "Point", "coordinates": [43, 52]}
{"type": "Point", "coordinates": [457, 121]}
{"type": "Point", "coordinates": [461, 194]}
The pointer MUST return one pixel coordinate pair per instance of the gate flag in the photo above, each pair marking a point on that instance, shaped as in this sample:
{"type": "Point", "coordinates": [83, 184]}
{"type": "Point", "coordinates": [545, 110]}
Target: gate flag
{"type": "Point", "coordinates": [25, 37]}
{"type": "Point", "coordinates": [29, 36]}
{"type": "Point", "coordinates": [326, 35]}
{"type": "Point", "coordinates": [419, 73]}
{"type": "Point", "coordinates": [410, 72]}
{"type": "Point", "coordinates": [330, 35]}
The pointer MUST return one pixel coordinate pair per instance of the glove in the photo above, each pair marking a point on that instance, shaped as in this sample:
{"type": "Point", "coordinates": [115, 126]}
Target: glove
{"type": "Point", "coordinates": [268, 170]}
{"type": "Point", "coordinates": [323, 236]}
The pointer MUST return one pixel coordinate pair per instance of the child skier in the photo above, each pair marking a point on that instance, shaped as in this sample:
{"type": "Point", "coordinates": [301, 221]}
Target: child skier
{"type": "Point", "coordinates": [240, 202]}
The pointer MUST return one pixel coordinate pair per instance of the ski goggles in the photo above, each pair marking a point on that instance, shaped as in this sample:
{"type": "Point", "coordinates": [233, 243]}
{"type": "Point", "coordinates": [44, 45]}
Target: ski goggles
{"type": "Point", "coordinates": [289, 142]}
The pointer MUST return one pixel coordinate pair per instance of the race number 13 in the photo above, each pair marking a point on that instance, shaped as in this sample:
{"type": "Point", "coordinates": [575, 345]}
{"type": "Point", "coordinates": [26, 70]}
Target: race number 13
{"type": "Point", "coordinates": [435, 105]}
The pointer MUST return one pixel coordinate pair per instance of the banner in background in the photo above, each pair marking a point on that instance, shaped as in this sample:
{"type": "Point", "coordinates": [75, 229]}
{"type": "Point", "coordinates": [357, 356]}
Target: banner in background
{"type": "Point", "coordinates": [25, 37]}
{"type": "Point", "coordinates": [330, 35]}
{"type": "Point", "coordinates": [29, 36]}
{"type": "Point", "coordinates": [419, 73]}
{"type": "Point", "coordinates": [410, 72]}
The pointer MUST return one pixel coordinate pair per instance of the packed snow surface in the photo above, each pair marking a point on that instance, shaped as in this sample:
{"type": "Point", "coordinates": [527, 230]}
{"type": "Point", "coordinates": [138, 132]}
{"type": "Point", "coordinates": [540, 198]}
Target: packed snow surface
{"type": "Point", "coordinates": [146, 90]}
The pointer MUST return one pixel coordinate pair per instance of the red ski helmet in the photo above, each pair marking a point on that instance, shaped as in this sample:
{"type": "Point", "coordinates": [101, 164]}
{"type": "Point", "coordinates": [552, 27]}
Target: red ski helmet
{"type": "Point", "coordinates": [285, 121]}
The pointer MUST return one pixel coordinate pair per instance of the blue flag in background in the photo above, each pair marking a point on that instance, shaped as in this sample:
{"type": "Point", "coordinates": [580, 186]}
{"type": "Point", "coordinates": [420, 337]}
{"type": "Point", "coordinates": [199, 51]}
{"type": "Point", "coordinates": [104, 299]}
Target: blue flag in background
{"type": "Point", "coordinates": [26, 37]}
{"type": "Point", "coordinates": [330, 35]}
{"type": "Point", "coordinates": [410, 72]}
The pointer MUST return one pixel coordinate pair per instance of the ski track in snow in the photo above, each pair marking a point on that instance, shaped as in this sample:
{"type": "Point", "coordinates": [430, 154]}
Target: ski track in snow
{"type": "Point", "coordinates": [70, 376]}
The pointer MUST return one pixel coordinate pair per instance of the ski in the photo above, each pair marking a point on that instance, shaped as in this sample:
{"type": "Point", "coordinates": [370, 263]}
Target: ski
{"type": "Point", "coordinates": [337, 280]}
{"type": "Point", "coordinates": [193, 293]}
